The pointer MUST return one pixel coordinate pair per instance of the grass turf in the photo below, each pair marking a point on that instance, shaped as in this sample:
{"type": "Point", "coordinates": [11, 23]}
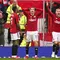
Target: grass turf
{"type": "Point", "coordinates": [31, 59]}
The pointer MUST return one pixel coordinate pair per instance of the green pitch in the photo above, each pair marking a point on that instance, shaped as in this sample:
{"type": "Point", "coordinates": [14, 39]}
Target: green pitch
{"type": "Point", "coordinates": [31, 59]}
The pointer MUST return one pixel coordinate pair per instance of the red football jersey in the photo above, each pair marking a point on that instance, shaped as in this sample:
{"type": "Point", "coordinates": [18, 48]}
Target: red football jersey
{"type": "Point", "coordinates": [55, 26]}
{"type": "Point", "coordinates": [14, 21]}
{"type": "Point", "coordinates": [32, 21]}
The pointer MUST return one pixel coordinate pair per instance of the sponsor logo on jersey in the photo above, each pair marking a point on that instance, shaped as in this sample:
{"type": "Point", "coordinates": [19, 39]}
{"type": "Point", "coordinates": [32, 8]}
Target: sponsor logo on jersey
{"type": "Point", "coordinates": [32, 20]}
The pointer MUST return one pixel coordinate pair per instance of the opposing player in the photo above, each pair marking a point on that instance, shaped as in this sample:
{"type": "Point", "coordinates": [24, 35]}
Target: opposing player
{"type": "Point", "coordinates": [15, 32]}
{"type": "Point", "coordinates": [32, 33]}
{"type": "Point", "coordinates": [56, 30]}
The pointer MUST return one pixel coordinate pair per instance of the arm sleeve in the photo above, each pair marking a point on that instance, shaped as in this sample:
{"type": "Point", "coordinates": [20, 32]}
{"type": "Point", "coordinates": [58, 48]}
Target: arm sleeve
{"type": "Point", "coordinates": [49, 11]}
{"type": "Point", "coordinates": [26, 11]}
{"type": "Point", "coordinates": [40, 11]}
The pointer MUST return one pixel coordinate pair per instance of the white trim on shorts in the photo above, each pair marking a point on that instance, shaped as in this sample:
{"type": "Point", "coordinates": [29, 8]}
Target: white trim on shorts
{"type": "Point", "coordinates": [15, 36]}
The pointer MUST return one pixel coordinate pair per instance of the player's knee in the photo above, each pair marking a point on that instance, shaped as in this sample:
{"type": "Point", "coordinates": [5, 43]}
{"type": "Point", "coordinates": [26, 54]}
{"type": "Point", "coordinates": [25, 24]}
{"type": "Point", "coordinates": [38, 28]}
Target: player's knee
{"type": "Point", "coordinates": [55, 42]}
{"type": "Point", "coordinates": [36, 43]}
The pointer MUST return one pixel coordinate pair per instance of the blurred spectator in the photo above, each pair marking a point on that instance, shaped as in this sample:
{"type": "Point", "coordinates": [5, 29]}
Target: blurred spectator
{"type": "Point", "coordinates": [6, 31]}
{"type": "Point", "coordinates": [2, 8]}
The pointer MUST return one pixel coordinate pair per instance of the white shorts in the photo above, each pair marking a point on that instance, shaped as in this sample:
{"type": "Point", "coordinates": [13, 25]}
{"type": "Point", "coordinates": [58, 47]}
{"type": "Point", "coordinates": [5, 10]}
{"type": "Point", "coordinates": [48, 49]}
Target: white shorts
{"type": "Point", "coordinates": [56, 36]}
{"type": "Point", "coordinates": [15, 36]}
{"type": "Point", "coordinates": [32, 35]}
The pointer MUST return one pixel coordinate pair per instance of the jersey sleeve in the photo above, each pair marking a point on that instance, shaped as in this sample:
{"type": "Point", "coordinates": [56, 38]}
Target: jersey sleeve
{"type": "Point", "coordinates": [49, 11]}
{"type": "Point", "coordinates": [26, 11]}
{"type": "Point", "coordinates": [39, 12]}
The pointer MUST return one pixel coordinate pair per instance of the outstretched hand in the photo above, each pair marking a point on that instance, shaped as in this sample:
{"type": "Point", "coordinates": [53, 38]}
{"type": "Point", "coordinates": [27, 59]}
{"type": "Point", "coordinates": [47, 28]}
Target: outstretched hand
{"type": "Point", "coordinates": [47, 3]}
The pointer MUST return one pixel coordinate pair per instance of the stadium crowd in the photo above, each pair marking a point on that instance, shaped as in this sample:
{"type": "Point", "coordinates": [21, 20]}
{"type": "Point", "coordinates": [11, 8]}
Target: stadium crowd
{"type": "Point", "coordinates": [3, 17]}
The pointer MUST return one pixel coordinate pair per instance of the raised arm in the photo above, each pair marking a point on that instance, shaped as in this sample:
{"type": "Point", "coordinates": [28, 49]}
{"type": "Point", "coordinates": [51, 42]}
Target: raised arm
{"type": "Point", "coordinates": [25, 10]}
{"type": "Point", "coordinates": [40, 11]}
{"type": "Point", "coordinates": [49, 11]}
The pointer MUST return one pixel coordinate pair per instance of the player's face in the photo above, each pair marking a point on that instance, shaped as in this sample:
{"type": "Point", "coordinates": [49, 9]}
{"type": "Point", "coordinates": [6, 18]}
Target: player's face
{"type": "Point", "coordinates": [32, 10]}
{"type": "Point", "coordinates": [58, 12]}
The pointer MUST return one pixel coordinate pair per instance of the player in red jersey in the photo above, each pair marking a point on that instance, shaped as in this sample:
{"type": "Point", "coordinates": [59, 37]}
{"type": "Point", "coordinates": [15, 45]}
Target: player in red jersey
{"type": "Point", "coordinates": [32, 33]}
{"type": "Point", "coordinates": [14, 30]}
{"type": "Point", "coordinates": [56, 30]}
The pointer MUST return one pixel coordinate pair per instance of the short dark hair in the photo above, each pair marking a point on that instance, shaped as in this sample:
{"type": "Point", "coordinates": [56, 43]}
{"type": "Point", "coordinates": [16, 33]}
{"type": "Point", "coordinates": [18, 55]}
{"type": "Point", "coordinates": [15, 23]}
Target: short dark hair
{"type": "Point", "coordinates": [14, 8]}
{"type": "Point", "coordinates": [58, 7]}
{"type": "Point", "coordinates": [55, 6]}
